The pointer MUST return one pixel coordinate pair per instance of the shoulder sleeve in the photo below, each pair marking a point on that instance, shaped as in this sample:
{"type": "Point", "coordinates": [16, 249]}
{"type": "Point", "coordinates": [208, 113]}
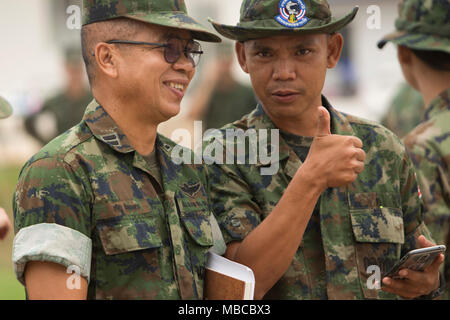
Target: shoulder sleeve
{"type": "Point", "coordinates": [433, 178]}
{"type": "Point", "coordinates": [52, 217]}
{"type": "Point", "coordinates": [412, 206]}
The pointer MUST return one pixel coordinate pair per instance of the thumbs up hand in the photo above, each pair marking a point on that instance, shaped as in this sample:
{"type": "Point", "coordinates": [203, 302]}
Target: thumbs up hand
{"type": "Point", "coordinates": [333, 160]}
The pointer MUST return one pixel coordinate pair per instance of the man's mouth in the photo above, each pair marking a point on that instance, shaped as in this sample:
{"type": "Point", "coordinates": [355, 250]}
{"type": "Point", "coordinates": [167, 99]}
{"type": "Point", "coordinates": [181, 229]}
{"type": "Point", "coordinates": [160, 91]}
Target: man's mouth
{"type": "Point", "coordinates": [285, 96]}
{"type": "Point", "coordinates": [176, 85]}
{"type": "Point", "coordinates": [284, 93]}
{"type": "Point", "coordinates": [177, 88]}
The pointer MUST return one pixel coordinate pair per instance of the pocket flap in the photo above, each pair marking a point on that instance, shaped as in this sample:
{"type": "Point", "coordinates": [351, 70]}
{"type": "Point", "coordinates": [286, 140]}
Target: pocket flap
{"type": "Point", "coordinates": [378, 225]}
{"type": "Point", "coordinates": [129, 236]}
{"type": "Point", "coordinates": [196, 220]}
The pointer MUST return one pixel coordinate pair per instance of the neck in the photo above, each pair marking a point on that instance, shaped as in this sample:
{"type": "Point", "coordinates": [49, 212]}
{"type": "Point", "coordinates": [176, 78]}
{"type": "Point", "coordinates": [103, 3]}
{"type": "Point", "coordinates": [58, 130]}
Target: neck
{"type": "Point", "coordinates": [431, 83]}
{"type": "Point", "coordinates": [140, 133]}
{"type": "Point", "coordinates": [302, 123]}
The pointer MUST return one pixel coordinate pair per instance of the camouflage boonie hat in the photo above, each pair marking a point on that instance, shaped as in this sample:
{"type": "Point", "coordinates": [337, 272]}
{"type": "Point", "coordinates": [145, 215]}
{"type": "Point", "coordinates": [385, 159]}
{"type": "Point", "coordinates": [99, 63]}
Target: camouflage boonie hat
{"type": "Point", "coordinates": [168, 13]}
{"type": "Point", "coordinates": [5, 108]}
{"type": "Point", "coordinates": [422, 25]}
{"type": "Point", "coordinates": [265, 18]}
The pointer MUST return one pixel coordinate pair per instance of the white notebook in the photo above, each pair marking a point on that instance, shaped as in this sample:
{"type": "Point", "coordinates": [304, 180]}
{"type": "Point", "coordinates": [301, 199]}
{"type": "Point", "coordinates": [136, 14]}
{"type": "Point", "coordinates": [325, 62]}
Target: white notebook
{"type": "Point", "coordinates": [228, 280]}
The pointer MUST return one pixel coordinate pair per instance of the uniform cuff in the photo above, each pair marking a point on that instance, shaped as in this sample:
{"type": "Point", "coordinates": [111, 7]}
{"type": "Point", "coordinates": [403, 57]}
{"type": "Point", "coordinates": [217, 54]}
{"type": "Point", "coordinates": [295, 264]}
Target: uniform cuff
{"type": "Point", "coordinates": [51, 242]}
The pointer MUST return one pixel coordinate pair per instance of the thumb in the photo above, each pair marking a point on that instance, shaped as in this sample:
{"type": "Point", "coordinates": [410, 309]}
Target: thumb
{"type": "Point", "coordinates": [424, 242]}
{"type": "Point", "coordinates": [323, 125]}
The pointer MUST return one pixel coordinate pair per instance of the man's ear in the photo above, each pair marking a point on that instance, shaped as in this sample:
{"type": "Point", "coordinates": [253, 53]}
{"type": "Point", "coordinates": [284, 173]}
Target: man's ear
{"type": "Point", "coordinates": [240, 53]}
{"type": "Point", "coordinates": [106, 58]}
{"type": "Point", "coordinates": [335, 44]}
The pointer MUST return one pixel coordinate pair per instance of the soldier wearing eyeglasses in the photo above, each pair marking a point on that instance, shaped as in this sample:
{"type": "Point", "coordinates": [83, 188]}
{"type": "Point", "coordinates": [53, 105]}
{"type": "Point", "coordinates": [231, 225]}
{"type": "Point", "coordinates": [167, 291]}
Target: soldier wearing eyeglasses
{"type": "Point", "coordinates": [104, 200]}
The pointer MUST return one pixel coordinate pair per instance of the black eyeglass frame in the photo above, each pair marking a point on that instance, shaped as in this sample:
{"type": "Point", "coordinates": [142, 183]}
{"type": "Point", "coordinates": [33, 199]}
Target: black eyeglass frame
{"type": "Point", "coordinates": [186, 51]}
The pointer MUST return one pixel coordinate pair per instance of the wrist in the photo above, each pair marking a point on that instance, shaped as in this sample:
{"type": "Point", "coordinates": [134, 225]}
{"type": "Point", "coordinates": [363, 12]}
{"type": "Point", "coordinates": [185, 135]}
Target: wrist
{"type": "Point", "coordinates": [313, 179]}
{"type": "Point", "coordinates": [310, 180]}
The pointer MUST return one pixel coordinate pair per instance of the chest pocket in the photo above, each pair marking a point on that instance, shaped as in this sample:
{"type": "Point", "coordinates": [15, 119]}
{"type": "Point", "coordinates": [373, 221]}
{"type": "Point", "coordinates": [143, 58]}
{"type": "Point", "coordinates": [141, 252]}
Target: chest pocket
{"type": "Point", "coordinates": [378, 229]}
{"type": "Point", "coordinates": [132, 245]}
{"type": "Point", "coordinates": [130, 226]}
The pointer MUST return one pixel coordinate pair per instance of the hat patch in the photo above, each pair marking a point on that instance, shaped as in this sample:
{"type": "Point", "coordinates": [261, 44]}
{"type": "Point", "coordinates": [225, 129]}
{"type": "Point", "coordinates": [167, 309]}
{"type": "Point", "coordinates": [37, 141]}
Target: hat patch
{"type": "Point", "coordinates": [292, 13]}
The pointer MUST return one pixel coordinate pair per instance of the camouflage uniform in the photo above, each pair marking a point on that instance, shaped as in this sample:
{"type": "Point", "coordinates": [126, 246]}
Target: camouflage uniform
{"type": "Point", "coordinates": [425, 25]}
{"type": "Point", "coordinates": [405, 112]}
{"type": "Point", "coordinates": [130, 243]}
{"type": "Point", "coordinates": [88, 201]}
{"type": "Point", "coordinates": [374, 221]}
{"type": "Point", "coordinates": [429, 145]}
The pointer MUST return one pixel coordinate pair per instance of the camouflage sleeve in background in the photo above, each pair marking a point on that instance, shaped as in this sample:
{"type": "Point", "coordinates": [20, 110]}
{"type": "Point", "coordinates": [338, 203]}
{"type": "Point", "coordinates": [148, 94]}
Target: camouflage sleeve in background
{"type": "Point", "coordinates": [429, 146]}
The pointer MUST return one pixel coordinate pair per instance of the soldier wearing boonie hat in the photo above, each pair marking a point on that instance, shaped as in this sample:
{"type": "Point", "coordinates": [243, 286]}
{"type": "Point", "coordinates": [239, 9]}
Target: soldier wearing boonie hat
{"type": "Point", "coordinates": [105, 199]}
{"type": "Point", "coordinates": [423, 39]}
{"type": "Point", "coordinates": [331, 207]}
{"type": "Point", "coordinates": [5, 224]}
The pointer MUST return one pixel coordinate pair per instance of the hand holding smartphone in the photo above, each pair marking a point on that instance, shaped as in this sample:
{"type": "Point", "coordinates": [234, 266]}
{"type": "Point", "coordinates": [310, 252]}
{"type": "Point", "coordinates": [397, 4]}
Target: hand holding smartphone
{"type": "Point", "coordinates": [416, 260]}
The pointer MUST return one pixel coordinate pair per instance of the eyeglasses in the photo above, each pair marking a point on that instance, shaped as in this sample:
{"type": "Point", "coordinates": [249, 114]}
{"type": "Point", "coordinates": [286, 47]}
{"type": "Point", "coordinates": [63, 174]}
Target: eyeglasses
{"type": "Point", "coordinates": [172, 49]}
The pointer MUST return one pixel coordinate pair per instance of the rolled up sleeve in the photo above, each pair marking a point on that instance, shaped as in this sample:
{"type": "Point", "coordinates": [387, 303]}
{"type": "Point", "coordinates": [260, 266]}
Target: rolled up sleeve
{"type": "Point", "coordinates": [51, 243]}
{"type": "Point", "coordinates": [51, 217]}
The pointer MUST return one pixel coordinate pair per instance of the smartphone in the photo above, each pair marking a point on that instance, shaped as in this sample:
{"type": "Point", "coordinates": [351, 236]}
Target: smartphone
{"type": "Point", "coordinates": [416, 260]}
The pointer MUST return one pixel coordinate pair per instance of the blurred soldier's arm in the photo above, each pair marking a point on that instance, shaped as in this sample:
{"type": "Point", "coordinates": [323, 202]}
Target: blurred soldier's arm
{"type": "Point", "coordinates": [5, 224]}
{"type": "Point", "coordinates": [41, 125]}
{"type": "Point", "coordinates": [204, 90]}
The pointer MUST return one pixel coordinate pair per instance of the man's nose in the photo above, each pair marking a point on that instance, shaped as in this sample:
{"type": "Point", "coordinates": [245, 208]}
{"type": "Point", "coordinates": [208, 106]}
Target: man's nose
{"type": "Point", "coordinates": [184, 63]}
{"type": "Point", "coordinates": [284, 70]}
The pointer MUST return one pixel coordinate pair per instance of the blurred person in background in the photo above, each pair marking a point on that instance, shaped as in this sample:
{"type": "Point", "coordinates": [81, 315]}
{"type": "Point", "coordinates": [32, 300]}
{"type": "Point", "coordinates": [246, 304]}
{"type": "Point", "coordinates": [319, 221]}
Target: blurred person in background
{"type": "Point", "coordinates": [423, 40]}
{"type": "Point", "coordinates": [5, 224]}
{"type": "Point", "coordinates": [219, 97]}
{"type": "Point", "coordinates": [64, 110]}
{"type": "Point", "coordinates": [405, 111]}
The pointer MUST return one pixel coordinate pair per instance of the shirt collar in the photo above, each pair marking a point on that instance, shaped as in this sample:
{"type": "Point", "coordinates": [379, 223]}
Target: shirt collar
{"type": "Point", "coordinates": [439, 104]}
{"type": "Point", "coordinates": [105, 129]}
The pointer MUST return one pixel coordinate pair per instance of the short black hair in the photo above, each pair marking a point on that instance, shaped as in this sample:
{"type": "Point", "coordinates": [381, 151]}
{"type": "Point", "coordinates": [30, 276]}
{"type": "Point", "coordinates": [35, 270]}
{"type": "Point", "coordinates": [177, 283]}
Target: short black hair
{"type": "Point", "coordinates": [437, 60]}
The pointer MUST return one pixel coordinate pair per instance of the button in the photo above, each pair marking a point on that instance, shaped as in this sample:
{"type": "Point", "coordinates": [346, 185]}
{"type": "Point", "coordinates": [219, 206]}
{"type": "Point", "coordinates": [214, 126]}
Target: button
{"type": "Point", "coordinates": [235, 223]}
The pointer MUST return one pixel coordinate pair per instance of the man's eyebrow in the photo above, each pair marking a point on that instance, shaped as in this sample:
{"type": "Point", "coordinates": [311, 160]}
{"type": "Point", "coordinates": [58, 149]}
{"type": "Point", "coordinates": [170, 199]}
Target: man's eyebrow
{"type": "Point", "coordinates": [260, 46]}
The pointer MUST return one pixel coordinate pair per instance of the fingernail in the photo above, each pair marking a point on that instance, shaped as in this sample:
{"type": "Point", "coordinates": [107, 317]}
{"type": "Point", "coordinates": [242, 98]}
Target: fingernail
{"type": "Point", "coordinates": [387, 281]}
{"type": "Point", "coordinates": [403, 273]}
